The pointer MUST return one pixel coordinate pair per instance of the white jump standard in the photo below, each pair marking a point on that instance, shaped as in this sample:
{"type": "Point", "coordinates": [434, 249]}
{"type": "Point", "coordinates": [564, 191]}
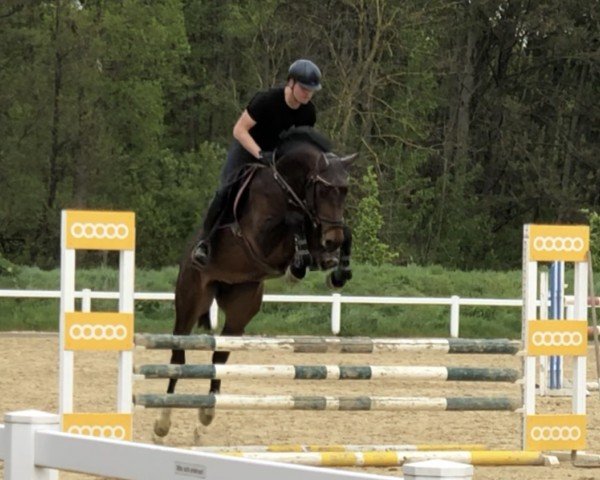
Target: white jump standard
{"type": "Point", "coordinates": [547, 243]}
{"type": "Point", "coordinates": [99, 331]}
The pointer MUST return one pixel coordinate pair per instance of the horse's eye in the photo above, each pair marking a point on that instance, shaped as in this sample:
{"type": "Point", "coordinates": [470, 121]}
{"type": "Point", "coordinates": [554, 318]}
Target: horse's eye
{"type": "Point", "coordinates": [324, 192]}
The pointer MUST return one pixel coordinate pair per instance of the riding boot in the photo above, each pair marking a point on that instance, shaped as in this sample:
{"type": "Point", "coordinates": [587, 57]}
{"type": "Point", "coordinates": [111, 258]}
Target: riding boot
{"type": "Point", "coordinates": [201, 253]}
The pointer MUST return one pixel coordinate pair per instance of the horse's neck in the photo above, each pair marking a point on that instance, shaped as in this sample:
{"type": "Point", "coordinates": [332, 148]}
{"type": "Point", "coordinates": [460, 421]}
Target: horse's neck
{"type": "Point", "coordinates": [264, 222]}
{"type": "Point", "coordinates": [295, 170]}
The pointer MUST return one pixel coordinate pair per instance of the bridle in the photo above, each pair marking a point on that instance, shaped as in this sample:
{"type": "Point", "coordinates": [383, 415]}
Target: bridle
{"type": "Point", "coordinates": [308, 206]}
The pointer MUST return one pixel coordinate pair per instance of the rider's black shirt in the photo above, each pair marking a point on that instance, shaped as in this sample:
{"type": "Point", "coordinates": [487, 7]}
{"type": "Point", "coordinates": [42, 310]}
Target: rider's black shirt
{"type": "Point", "coordinates": [273, 116]}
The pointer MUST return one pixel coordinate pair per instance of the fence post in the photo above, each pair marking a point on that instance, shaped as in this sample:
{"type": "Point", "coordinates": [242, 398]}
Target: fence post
{"type": "Point", "coordinates": [86, 300]}
{"type": "Point", "coordinates": [20, 428]}
{"type": "Point", "coordinates": [454, 315]}
{"type": "Point", "coordinates": [336, 313]}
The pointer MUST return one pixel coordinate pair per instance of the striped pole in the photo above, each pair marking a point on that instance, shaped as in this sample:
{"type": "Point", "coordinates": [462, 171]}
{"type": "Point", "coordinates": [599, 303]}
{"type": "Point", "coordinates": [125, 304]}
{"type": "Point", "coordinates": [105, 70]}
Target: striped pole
{"type": "Point", "coordinates": [394, 458]}
{"type": "Point", "coordinates": [556, 313]}
{"type": "Point", "coordinates": [297, 402]}
{"type": "Point", "coordinates": [329, 372]}
{"type": "Point", "coordinates": [325, 344]}
{"type": "Point", "coordinates": [338, 448]}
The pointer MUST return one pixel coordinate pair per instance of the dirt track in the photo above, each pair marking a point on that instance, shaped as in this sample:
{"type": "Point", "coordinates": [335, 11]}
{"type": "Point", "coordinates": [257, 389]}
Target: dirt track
{"type": "Point", "coordinates": [29, 379]}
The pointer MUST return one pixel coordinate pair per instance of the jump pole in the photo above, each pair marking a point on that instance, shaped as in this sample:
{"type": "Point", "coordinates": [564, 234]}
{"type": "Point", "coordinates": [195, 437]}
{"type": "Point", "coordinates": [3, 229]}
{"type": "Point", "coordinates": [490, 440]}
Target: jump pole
{"type": "Point", "coordinates": [298, 447]}
{"type": "Point", "coordinates": [329, 372]}
{"type": "Point", "coordinates": [396, 458]}
{"type": "Point", "coordinates": [303, 402]}
{"type": "Point", "coordinates": [327, 344]}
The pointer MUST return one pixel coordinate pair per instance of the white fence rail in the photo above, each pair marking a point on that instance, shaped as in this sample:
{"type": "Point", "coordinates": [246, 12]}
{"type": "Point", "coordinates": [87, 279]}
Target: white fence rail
{"type": "Point", "coordinates": [336, 300]}
{"type": "Point", "coordinates": [32, 448]}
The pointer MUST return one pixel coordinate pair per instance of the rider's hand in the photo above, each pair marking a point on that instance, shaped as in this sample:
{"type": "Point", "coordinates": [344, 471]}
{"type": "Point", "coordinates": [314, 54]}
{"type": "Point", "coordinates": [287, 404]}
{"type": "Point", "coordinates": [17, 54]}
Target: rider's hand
{"type": "Point", "coordinates": [265, 157]}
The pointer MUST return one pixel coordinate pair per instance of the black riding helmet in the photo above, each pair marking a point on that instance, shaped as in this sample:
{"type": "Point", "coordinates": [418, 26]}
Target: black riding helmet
{"type": "Point", "coordinates": [306, 73]}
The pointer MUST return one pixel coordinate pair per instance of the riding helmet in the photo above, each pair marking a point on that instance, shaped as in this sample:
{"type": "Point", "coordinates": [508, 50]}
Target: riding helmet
{"type": "Point", "coordinates": [306, 73]}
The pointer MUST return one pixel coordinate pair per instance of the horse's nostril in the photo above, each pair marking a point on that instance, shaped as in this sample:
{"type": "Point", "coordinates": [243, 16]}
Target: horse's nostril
{"type": "Point", "coordinates": [330, 245]}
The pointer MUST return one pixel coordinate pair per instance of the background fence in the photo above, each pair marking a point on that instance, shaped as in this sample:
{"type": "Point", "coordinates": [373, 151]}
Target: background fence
{"type": "Point", "coordinates": [336, 300]}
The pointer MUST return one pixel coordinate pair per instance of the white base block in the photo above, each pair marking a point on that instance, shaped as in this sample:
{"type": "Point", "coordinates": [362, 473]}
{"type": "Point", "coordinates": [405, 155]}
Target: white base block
{"type": "Point", "coordinates": [18, 444]}
{"type": "Point", "coordinates": [436, 469]}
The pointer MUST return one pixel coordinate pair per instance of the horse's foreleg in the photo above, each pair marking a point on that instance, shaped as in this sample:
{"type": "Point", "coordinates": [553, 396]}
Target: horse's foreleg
{"type": "Point", "coordinates": [343, 272]}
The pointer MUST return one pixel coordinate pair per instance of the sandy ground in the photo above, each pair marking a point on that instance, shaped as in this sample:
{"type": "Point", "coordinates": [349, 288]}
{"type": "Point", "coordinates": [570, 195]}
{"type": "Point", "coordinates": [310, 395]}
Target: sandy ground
{"type": "Point", "coordinates": [29, 379]}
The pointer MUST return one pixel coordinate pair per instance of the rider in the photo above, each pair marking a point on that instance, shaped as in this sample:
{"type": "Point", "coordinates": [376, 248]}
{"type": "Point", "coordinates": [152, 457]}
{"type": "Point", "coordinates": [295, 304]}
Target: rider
{"type": "Point", "coordinates": [256, 134]}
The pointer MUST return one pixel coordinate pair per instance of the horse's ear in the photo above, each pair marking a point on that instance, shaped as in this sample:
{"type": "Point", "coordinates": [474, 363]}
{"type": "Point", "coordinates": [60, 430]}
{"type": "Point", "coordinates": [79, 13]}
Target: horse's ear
{"type": "Point", "coordinates": [348, 160]}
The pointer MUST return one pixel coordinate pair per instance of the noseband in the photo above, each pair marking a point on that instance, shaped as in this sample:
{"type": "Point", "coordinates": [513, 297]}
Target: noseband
{"type": "Point", "coordinates": [308, 206]}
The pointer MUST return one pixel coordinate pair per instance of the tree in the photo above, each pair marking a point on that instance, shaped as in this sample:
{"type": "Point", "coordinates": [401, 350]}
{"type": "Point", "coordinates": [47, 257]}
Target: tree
{"type": "Point", "coordinates": [475, 116]}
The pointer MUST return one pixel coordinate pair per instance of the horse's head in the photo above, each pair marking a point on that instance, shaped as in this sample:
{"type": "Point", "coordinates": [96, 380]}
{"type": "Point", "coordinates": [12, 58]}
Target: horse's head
{"type": "Point", "coordinates": [326, 190]}
{"type": "Point", "coordinates": [316, 182]}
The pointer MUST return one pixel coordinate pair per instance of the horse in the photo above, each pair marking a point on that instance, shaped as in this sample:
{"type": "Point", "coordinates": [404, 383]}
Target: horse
{"type": "Point", "coordinates": [287, 217]}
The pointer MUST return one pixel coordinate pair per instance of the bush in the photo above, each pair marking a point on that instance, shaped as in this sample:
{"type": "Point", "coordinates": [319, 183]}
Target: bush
{"type": "Point", "coordinates": [367, 247]}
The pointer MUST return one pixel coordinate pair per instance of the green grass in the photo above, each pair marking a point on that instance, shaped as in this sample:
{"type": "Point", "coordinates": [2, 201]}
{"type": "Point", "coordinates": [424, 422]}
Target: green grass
{"type": "Point", "coordinates": [298, 318]}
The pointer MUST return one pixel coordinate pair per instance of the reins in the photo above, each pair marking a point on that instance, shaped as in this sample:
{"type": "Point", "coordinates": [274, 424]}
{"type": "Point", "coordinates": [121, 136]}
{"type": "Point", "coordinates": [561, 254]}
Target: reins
{"type": "Point", "coordinates": [293, 198]}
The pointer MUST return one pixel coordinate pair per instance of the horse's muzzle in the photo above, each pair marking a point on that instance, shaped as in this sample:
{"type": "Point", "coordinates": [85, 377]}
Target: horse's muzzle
{"type": "Point", "coordinates": [328, 260]}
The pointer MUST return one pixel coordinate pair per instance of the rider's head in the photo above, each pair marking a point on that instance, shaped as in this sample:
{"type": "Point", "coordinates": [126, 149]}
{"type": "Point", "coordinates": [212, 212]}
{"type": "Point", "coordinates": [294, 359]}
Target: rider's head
{"type": "Point", "coordinates": [306, 73]}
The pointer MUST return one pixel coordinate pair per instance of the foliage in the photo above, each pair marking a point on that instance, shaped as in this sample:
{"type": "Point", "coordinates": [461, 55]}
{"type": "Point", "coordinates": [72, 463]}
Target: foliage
{"type": "Point", "coordinates": [476, 117]}
{"type": "Point", "coordinates": [594, 221]}
{"type": "Point", "coordinates": [169, 200]}
{"type": "Point", "coordinates": [7, 269]}
{"type": "Point", "coordinates": [367, 248]}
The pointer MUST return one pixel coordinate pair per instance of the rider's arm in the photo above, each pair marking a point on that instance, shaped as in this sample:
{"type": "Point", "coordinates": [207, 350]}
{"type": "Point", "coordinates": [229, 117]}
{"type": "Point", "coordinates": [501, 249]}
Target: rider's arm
{"type": "Point", "coordinates": [241, 132]}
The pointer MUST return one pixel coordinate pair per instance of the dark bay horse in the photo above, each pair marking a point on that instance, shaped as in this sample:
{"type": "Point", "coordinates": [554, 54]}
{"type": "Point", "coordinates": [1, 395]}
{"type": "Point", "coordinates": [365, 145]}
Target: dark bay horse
{"type": "Point", "coordinates": [301, 195]}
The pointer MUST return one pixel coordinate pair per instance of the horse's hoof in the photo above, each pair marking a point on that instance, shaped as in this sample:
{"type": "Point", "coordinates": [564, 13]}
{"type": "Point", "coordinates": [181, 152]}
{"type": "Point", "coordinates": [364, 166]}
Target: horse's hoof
{"type": "Point", "coordinates": [161, 428]}
{"type": "Point", "coordinates": [293, 276]}
{"type": "Point", "coordinates": [334, 281]}
{"type": "Point", "coordinates": [307, 259]}
{"type": "Point", "coordinates": [206, 416]}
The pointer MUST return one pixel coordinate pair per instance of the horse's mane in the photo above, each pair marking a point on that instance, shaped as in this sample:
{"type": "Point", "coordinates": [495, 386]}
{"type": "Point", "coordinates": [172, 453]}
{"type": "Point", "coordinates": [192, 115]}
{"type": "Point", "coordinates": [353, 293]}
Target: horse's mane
{"type": "Point", "coordinates": [297, 135]}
